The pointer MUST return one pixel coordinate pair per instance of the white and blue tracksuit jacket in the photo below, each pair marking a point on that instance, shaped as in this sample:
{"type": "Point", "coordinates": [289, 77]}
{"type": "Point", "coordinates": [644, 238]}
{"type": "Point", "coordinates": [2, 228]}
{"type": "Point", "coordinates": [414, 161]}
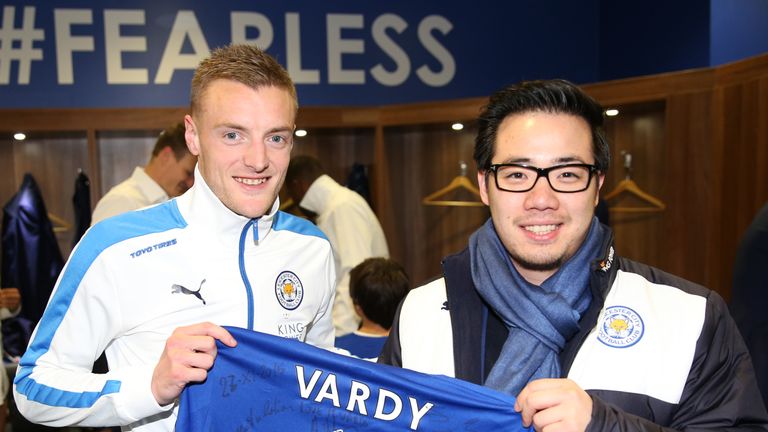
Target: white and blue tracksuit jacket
{"type": "Point", "coordinates": [136, 277]}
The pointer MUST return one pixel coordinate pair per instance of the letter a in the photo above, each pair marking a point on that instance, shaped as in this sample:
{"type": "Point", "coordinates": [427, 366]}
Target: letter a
{"type": "Point", "coordinates": [329, 391]}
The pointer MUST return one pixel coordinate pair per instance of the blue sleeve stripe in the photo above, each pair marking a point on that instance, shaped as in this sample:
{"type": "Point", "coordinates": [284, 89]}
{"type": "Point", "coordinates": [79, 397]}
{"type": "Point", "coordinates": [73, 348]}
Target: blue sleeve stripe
{"type": "Point", "coordinates": [289, 222]}
{"type": "Point", "coordinates": [101, 236]}
{"type": "Point", "coordinates": [55, 397]}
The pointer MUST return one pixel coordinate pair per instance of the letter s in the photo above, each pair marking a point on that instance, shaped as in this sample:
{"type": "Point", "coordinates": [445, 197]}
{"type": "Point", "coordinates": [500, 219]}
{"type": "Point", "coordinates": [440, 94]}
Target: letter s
{"type": "Point", "coordinates": [436, 79]}
{"type": "Point", "coordinates": [403, 63]}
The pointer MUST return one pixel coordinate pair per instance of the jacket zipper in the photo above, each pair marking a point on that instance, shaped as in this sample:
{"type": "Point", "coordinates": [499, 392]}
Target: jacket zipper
{"type": "Point", "coordinates": [241, 262]}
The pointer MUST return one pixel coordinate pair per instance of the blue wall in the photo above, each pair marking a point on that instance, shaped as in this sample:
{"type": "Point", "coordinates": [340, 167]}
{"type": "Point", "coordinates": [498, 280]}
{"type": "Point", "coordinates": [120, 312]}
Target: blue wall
{"type": "Point", "coordinates": [345, 52]}
{"type": "Point", "coordinates": [739, 29]}
{"type": "Point", "coordinates": [649, 37]}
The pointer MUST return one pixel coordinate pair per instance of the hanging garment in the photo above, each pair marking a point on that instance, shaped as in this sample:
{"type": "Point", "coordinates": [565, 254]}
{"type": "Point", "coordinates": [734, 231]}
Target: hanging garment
{"type": "Point", "coordinates": [358, 181]}
{"type": "Point", "coordinates": [81, 200]}
{"type": "Point", "coordinates": [31, 261]}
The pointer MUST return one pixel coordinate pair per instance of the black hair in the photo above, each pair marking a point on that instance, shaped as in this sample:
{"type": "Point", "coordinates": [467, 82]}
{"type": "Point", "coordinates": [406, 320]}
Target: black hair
{"type": "Point", "coordinates": [551, 96]}
{"type": "Point", "coordinates": [378, 285]}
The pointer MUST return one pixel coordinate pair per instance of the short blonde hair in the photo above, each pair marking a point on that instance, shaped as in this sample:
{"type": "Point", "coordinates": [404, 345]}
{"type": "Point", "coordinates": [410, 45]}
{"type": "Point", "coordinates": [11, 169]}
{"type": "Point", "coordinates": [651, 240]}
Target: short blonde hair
{"type": "Point", "coordinates": [245, 64]}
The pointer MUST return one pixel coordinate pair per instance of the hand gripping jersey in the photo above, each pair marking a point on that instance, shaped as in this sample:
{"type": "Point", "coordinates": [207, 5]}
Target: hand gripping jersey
{"type": "Point", "coordinates": [268, 383]}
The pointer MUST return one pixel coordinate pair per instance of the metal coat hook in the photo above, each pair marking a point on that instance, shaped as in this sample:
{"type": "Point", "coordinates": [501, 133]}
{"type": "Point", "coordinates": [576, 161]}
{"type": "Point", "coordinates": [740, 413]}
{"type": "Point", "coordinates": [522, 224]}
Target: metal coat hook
{"type": "Point", "coordinates": [627, 164]}
{"type": "Point", "coordinates": [463, 168]}
{"type": "Point", "coordinates": [628, 185]}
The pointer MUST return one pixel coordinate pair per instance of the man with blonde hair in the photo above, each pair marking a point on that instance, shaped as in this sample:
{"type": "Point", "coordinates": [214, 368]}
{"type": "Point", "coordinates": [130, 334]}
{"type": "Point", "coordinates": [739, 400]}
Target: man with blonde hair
{"type": "Point", "coordinates": [154, 287]}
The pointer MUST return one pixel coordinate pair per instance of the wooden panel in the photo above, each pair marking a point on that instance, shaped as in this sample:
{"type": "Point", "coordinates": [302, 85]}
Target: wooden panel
{"type": "Point", "coordinates": [94, 167]}
{"type": "Point", "coordinates": [744, 167]}
{"type": "Point", "coordinates": [84, 119]}
{"type": "Point", "coordinates": [433, 112]}
{"type": "Point", "coordinates": [638, 131]}
{"type": "Point", "coordinates": [338, 149]}
{"type": "Point", "coordinates": [423, 160]}
{"type": "Point", "coordinates": [688, 234]}
{"type": "Point", "coordinates": [651, 88]}
{"type": "Point", "coordinates": [381, 189]}
{"type": "Point", "coordinates": [120, 152]}
{"type": "Point", "coordinates": [761, 144]}
{"type": "Point", "coordinates": [324, 117]}
{"type": "Point", "coordinates": [8, 186]}
{"type": "Point", "coordinates": [746, 70]}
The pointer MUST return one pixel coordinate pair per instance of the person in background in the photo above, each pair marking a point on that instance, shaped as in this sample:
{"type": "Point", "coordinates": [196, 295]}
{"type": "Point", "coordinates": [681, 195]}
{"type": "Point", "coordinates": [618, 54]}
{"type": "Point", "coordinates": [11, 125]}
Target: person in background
{"type": "Point", "coordinates": [348, 221]}
{"type": "Point", "coordinates": [10, 305]}
{"type": "Point", "coordinates": [154, 287]}
{"type": "Point", "coordinates": [168, 174]}
{"type": "Point", "coordinates": [541, 306]}
{"type": "Point", "coordinates": [749, 298]}
{"type": "Point", "coordinates": [376, 285]}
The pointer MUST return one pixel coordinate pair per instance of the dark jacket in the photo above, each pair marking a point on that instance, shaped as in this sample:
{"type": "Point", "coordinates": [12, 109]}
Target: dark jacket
{"type": "Point", "coordinates": [749, 299]}
{"type": "Point", "coordinates": [81, 201]}
{"type": "Point", "coordinates": [31, 261]}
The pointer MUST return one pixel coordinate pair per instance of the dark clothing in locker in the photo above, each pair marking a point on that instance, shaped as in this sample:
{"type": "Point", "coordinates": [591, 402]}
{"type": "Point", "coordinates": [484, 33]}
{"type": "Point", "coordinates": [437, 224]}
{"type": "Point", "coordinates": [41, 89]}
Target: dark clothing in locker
{"type": "Point", "coordinates": [358, 181]}
{"type": "Point", "coordinates": [31, 261]}
{"type": "Point", "coordinates": [81, 200]}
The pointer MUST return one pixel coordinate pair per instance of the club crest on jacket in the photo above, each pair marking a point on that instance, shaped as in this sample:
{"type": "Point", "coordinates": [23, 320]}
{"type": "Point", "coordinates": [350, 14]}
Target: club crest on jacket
{"type": "Point", "coordinates": [289, 290]}
{"type": "Point", "coordinates": [621, 327]}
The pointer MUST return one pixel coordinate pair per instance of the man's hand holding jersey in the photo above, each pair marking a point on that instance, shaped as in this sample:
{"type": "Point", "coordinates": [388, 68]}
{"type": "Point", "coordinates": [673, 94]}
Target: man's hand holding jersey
{"type": "Point", "coordinates": [188, 355]}
{"type": "Point", "coordinates": [554, 404]}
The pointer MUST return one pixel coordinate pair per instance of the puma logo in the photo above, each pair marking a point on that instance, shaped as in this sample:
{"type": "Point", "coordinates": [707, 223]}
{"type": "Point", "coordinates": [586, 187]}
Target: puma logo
{"type": "Point", "coordinates": [180, 289]}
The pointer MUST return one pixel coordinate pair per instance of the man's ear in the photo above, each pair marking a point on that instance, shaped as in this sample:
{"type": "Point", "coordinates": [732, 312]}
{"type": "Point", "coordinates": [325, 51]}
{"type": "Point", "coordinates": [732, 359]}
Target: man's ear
{"type": "Point", "coordinates": [600, 181]}
{"type": "Point", "coordinates": [191, 135]}
{"type": "Point", "coordinates": [481, 182]}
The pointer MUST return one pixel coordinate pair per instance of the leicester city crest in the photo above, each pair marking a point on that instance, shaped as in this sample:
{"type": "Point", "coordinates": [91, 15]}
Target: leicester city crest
{"type": "Point", "coordinates": [289, 290]}
{"type": "Point", "coordinates": [621, 327]}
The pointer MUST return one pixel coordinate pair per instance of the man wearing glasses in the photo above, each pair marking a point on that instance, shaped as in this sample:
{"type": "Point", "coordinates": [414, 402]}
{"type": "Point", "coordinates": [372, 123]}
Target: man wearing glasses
{"type": "Point", "coordinates": [540, 307]}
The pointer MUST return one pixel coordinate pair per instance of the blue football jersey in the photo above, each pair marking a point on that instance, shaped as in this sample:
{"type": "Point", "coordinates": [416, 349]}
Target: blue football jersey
{"type": "Point", "coordinates": [268, 383]}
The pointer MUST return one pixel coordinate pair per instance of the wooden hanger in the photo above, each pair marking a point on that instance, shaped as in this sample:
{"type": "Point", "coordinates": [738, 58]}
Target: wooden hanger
{"type": "Point", "coordinates": [59, 224]}
{"type": "Point", "coordinates": [628, 185]}
{"type": "Point", "coordinates": [459, 182]}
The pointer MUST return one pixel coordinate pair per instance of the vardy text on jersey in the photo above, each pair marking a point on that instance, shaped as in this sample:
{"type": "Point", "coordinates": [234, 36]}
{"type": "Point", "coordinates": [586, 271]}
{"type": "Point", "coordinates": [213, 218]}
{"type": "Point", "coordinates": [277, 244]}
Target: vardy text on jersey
{"type": "Point", "coordinates": [269, 383]}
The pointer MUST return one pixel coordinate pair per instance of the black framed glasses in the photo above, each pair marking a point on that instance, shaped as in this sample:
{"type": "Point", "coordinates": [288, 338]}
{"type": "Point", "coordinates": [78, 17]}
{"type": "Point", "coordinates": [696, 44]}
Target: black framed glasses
{"type": "Point", "coordinates": [566, 178]}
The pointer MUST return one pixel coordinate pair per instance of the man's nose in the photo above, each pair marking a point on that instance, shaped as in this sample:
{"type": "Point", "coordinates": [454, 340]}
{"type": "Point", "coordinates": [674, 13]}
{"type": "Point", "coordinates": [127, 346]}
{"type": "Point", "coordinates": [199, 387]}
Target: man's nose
{"type": "Point", "coordinates": [256, 156]}
{"type": "Point", "coordinates": [542, 196]}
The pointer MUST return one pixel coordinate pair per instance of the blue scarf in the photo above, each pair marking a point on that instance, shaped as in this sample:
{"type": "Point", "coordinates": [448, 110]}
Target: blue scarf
{"type": "Point", "coordinates": [540, 319]}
